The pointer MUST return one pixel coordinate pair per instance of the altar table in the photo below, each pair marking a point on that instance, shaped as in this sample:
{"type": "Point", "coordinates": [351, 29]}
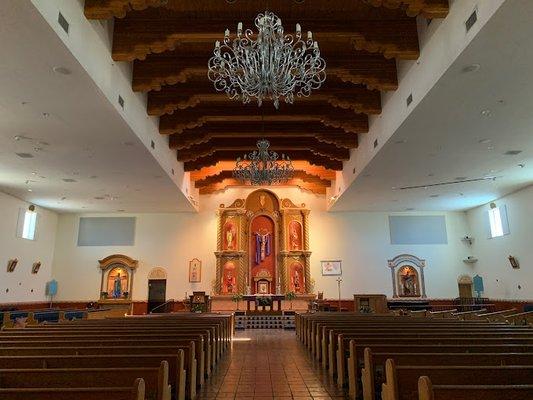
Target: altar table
{"type": "Point", "coordinates": [256, 298]}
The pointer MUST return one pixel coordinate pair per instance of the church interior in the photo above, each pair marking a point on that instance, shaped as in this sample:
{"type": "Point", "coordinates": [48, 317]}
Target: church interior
{"type": "Point", "coordinates": [266, 199]}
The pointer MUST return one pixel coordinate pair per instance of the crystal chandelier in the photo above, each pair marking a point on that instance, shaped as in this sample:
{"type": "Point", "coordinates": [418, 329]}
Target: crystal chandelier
{"type": "Point", "coordinates": [262, 167]}
{"type": "Point", "coordinates": [266, 65]}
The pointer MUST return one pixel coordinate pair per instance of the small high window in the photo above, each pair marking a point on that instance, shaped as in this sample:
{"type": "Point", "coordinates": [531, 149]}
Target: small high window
{"type": "Point", "coordinates": [30, 223]}
{"type": "Point", "coordinates": [498, 224]}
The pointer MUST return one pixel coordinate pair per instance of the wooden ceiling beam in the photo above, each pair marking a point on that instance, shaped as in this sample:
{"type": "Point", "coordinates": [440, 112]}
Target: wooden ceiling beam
{"type": "Point", "coordinates": [299, 165]}
{"type": "Point", "coordinates": [280, 145]}
{"type": "Point", "coordinates": [306, 155]}
{"type": "Point", "coordinates": [105, 9]}
{"type": "Point", "coordinates": [231, 182]}
{"type": "Point", "coordinates": [427, 8]}
{"type": "Point", "coordinates": [145, 33]}
{"type": "Point", "coordinates": [196, 137]}
{"type": "Point", "coordinates": [228, 174]}
{"type": "Point", "coordinates": [180, 121]}
{"type": "Point", "coordinates": [201, 94]}
{"type": "Point", "coordinates": [158, 70]}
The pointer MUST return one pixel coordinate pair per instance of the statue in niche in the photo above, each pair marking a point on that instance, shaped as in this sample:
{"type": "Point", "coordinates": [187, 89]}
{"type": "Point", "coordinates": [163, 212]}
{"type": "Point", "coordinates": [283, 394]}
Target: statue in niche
{"type": "Point", "coordinates": [296, 272]}
{"type": "Point", "coordinates": [263, 245]}
{"type": "Point", "coordinates": [117, 283]}
{"type": "Point", "coordinates": [230, 235]}
{"type": "Point", "coordinates": [295, 235]}
{"type": "Point", "coordinates": [296, 281]}
{"type": "Point", "coordinates": [230, 282]}
{"type": "Point", "coordinates": [408, 282]}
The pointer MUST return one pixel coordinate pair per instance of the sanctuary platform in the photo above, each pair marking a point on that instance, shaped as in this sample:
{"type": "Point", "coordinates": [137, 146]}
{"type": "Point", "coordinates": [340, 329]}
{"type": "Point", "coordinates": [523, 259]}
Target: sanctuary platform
{"type": "Point", "coordinates": [249, 303]}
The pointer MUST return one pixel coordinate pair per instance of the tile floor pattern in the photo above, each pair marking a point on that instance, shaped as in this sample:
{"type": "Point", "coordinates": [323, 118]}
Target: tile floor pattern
{"type": "Point", "coordinates": [268, 364]}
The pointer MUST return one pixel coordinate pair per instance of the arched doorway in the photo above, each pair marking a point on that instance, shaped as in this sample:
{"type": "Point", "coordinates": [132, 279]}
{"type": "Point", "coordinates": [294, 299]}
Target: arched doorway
{"type": "Point", "coordinates": [157, 290]}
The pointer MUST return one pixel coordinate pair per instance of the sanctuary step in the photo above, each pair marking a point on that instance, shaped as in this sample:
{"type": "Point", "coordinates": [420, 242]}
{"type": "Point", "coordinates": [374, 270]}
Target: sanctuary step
{"type": "Point", "coordinates": [285, 321]}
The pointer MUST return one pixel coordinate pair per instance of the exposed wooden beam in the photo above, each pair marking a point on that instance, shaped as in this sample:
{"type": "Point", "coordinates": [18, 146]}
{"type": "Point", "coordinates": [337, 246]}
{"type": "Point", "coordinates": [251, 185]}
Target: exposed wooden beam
{"type": "Point", "coordinates": [105, 9]}
{"type": "Point", "coordinates": [201, 94]}
{"type": "Point", "coordinates": [306, 155]}
{"type": "Point", "coordinates": [170, 68]}
{"type": "Point", "coordinates": [231, 182]}
{"type": "Point", "coordinates": [281, 145]}
{"type": "Point", "coordinates": [427, 8]}
{"type": "Point", "coordinates": [149, 32]}
{"type": "Point", "coordinates": [237, 113]}
{"type": "Point", "coordinates": [318, 171]}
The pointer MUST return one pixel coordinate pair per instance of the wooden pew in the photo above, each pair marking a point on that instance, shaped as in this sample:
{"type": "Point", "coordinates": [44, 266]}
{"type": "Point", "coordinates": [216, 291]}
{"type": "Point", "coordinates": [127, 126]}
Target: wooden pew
{"type": "Point", "coordinates": [114, 340]}
{"type": "Point", "coordinates": [428, 391]}
{"type": "Point", "coordinates": [355, 361]}
{"type": "Point", "coordinates": [156, 379]}
{"type": "Point", "coordinates": [496, 315]}
{"type": "Point", "coordinates": [442, 314]}
{"type": "Point", "coordinates": [135, 392]}
{"type": "Point", "coordinates": [525, 318]}
{"type": "Point", "coordinates": [176, 364]}
{"type": "Point", "coordinates": [373, 361]}
{"type": "Point", "coordinates": [401, 381]}
{"type": "Point", "coordinates": [467, 315]}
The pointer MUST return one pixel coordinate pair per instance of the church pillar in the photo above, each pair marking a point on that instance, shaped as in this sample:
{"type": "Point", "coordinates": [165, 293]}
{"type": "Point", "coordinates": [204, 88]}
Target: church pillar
{"type": "Point", "coordinates": [305, 217]}
{"type": "Point", "coordinates": [283, 236]}
{"type": "Point", "coordinates": [217, 287]}
{"type": "Point", "coordinates": [307, 267]}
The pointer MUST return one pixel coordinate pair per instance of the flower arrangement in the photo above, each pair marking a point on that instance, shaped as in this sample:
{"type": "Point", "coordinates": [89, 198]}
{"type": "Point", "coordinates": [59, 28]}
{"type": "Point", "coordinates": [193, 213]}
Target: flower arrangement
{"type": "Point", "coordinates": [290, 296]}
{"type": "Point", "coordinates": [236, 298]}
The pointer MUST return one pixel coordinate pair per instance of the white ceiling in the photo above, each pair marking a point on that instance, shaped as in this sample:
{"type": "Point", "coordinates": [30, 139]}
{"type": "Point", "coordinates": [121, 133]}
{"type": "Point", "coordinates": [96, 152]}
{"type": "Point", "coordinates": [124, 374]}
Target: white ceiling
{"type": "Point", "coordinates": [447, 136]}
{"type": "Point", "coordinates": [70, 129]}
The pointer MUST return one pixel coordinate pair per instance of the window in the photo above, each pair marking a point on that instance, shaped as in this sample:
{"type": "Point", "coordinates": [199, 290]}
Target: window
{"type": "Point", "coordinates": [30, 222]}
{"type": "Point", "coordinates": [498, 224]}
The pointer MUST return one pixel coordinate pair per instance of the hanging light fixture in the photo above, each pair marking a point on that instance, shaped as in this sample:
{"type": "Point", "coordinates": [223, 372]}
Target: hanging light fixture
{"type": "Point", "coordinates": [263, 167]}
{"type": "Point", "coordinates": [266, 65]}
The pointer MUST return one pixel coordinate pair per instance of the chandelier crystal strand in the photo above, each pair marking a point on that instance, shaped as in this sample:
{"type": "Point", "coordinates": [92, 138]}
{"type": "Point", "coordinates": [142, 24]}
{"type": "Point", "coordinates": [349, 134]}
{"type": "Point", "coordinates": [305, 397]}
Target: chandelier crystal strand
{"type": "Point", "coordinates": [267, 65]}
{"type": "Point", "coordinates": [262, 167]}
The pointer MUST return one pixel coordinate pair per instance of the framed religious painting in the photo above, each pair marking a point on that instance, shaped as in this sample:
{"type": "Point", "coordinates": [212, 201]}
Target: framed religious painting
{"type": "Point", "coordinates": [331, 267]}
{"type": "Point", "coordinates": [195, 271]}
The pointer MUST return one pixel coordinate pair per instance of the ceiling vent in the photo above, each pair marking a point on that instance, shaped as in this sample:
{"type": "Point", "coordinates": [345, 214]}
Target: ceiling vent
{"type": "Point", "coordinates": [63, 22]}
{"type": "Point", "coordinates": [471, 21]}
{"type": "Point", "coordinates": [152, 144]}
{"type": "Point", "coordinates": [69, 180]}
{"type": "Point", "coordinates": [24, 155]}
{"type": "Point", "coordinates": [375, 143]}
{"type": "Point", "coordinates": [409, 100]}
{"type": "Point", "coordinates": [120, 101]}
{"type": "Point", "coordinates": [512, 152]}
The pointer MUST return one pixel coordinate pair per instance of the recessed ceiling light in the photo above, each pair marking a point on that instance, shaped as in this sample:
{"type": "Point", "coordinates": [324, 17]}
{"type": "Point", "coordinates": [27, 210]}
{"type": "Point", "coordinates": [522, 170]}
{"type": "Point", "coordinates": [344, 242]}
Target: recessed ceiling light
{"type": "Point", "coordinates": [409, 209]}
{"type": "Point", "coordinates": [93, 177]}
{"type": "Point", "coordinates": [46, 114]}
{"type": "Point", "coordinates": [434, 195]}
{"type": "Point", "coordinates": [34, 173]}
{"type": "Point", "coordinates": [460, 178]}
{"type": "Point", "coordinates": [471, 68]}
{"type": "Point", "coordinates": [69, 180]}
{"type": "Point", "coordinates": [63, 198]}
{"type": "Point", "coordinates": [129, 144]}
{"type": "Point", "coordinates": [121, 210]}
{"type": "Point", "coordinates": [400, 141]}
{"type": "Point", "coordinates": [486, 112]}
{"type": "Point", "coordinates": [521, 165]}
{"type": "Point", "coordinates": [484, 141]}
{"type": "Point", "coordinates": [29, 190]}
{"type": "Point", "coordinates": [490, 147]}
{"type": "Point", "coordinates": [99, 198]}
{"type": "Point", "coordinates": [24, 155]}
{"type": "Point", "coordinates": [431, 174]}
{"type": "Point", "coordinates": [62, 70]}
{"type": "Point", "coordinates": [512, 152]}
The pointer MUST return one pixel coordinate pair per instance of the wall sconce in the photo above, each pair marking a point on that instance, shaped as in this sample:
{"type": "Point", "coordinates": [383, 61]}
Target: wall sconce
{"type": "Point", "coordinates": [11, 264]}
{"type": "Point", "coordinates": [514, 262]}
{"type": "Point", "coordinates": [35, 267]}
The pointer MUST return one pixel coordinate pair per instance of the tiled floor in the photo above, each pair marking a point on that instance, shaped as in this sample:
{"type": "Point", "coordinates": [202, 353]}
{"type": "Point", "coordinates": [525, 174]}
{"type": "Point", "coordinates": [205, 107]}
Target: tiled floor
{"type": "Point", "coordinates": [268, 364]}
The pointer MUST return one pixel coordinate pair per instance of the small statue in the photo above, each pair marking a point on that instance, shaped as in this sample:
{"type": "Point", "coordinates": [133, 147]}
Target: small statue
{"type": "Point", "coordinates": [117, 287]}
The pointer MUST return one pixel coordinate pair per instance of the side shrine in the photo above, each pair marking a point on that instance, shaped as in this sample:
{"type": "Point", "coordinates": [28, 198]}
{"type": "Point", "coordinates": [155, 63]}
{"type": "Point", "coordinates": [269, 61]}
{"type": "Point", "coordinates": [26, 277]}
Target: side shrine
{"type": "Point", "coordinates": [262, 247]}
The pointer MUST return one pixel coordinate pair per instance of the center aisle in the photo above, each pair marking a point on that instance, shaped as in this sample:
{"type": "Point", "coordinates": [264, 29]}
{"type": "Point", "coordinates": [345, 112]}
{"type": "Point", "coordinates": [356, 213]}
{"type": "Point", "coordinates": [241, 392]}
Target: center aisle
{"type": "Point", "coordinates": [268, 364]}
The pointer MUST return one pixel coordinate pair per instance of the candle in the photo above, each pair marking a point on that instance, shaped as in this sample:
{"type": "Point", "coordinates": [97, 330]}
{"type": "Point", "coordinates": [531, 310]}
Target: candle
{"type": "Point", "coordinates": [226, 33]}
{"type": "Point", "coordinates": [217, 44]}
{"type": "Point", "coordinates": [239, 26]}
{"type": "Point", "coordinates": [309, 35]}
{"type": "Point", "coordinates": [298, 28]}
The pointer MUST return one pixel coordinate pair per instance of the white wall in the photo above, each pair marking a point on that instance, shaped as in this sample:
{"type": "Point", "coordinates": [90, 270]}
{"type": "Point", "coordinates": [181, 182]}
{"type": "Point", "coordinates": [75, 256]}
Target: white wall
{"type": "Point", "coordinates": [500, 280]}
{"type": "Point", "coordinates": [21, 282]}
{"type": "Point", "coordinates": [361, 240]}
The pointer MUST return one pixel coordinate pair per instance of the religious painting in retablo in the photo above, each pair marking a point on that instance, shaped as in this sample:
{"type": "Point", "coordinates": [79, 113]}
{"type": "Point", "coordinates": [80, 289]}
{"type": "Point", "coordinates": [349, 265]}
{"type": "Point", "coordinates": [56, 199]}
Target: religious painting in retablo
{"type": "Point", "coordinates": [195, 271]}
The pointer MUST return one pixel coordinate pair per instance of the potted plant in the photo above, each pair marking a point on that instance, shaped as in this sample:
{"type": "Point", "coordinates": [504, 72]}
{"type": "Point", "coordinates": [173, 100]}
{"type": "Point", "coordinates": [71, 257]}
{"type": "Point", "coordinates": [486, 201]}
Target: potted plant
{"type": "Point", "coordinates": [237, 297]}
{"type": "Point", "coordinates": [290, 296]}
{"type": "Point", "coordinates": [103, 295]}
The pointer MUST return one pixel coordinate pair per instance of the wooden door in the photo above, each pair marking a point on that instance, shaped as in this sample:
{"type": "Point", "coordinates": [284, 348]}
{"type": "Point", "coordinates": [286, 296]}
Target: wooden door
{"type": "Point", "coordinates": [157, 289]}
